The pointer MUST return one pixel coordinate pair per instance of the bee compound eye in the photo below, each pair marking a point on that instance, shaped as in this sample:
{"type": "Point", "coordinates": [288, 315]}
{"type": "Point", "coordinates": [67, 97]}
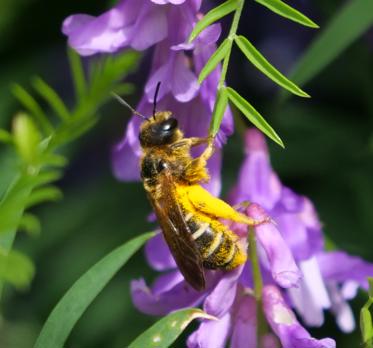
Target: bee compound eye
{"type": "Point", "coordinates": [169, 124]}
{"type": "Point", "coordinates": [161, 165]}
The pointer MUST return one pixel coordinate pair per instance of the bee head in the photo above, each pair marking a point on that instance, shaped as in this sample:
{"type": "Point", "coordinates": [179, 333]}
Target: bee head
{"type": "Point", "coordinates": [162, 129]}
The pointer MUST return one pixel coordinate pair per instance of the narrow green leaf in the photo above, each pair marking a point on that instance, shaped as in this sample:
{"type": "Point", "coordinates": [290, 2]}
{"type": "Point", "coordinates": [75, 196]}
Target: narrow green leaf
{"type": "Point", "coordinates": [261, 63]}
{"type": "Point", "coordinates": [44, 194]}
{"type": "Point", "coordinates": [46, 177]}
{"type": "Point", "coordinates": [218, 112]}
{"type": "Point", "coordinates": [165, 331]}
{"type": "Point", "coordinates": [214, 60]}
{"type": "Point", "coordinates": [16, 268]}
{"type": "Point", "coordinates": [370, 281]}
{"type": "Point", "coordinates": [5, 137]}
{"type": "Point", "coordinates": [366, 325]}
{"type": "Point", "coordinates": [30, 224]}
{"type": "Point", "coordinates": [77, 299]}
{"type": "Point", "coordinates": [77, 73]}
{"type": "Point", "coordinates": [212, 16]}
{"type": "Point", "coordinates": [288, 12]}
{"type": "Point", "coordinates": [50, 95]}
{"type": "Point", "coordinates": [26, 138]}
{"type": "Point", "coordinates": [351, 21]}
{"type": "Point", "coordinates": [253, 116]}
{"type": "Point", "coordinates": [32, 106]}
{"type": "Point", "coordinates": [54, 160]}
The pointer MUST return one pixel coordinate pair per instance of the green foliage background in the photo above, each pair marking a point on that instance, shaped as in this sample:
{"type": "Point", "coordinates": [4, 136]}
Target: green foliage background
{"type": "Point", "coordinates": [328, 157]}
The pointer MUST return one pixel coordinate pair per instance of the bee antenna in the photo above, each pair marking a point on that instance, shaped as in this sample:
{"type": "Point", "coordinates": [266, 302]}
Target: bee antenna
{"type": "Point", "coordinates": [155, 98]}
{"type": "Point", "coordinates": [123, 102]}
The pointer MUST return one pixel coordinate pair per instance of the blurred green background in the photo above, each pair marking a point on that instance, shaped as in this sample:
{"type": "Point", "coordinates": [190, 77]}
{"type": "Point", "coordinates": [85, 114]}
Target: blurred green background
{"type": "Point", "coordinates": [328, 157]}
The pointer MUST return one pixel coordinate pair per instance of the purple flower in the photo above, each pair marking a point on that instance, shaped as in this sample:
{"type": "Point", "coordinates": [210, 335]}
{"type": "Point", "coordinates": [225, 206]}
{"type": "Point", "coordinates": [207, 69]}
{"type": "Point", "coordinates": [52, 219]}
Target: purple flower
{"type": "Point", "coordinates": [328, 279]}
{"type": "Point", "coordinates": [284, 323]}
{"type": "Point", "coordinates": [131, 23]}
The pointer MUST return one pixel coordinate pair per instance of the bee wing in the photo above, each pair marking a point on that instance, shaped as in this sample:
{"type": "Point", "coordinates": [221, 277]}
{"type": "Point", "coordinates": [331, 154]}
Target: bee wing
{"type": "Point", "coordinates": [177, 233]}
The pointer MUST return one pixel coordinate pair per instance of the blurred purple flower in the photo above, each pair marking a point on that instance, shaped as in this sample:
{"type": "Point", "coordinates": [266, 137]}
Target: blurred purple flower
{"type": "Point", "coordinates": [131, 23]}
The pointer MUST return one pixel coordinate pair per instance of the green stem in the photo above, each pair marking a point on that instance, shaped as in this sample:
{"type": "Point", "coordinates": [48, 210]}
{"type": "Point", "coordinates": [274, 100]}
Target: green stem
{"type": "Point", "coordinates": [231, 36]}
{"type": "Point", "coordinates": [224, 69]}
{"type": "Point", "coordinates": [258, 286]}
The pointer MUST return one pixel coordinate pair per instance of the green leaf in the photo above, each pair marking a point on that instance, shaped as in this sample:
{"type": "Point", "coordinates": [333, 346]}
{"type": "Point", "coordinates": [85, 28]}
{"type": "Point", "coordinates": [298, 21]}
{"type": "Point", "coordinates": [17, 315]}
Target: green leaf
{"type": "Point", "coordinates": [16, 268]}
{"type": "Point", "coordinates": [165, 331]}
{"type": "Point", "coordinates": [352, 20]}
{"type": "Point", "coordinates": [261, 63]}
{"type": "Point", "coordinates": [47, 193]}
{"type": "Point", "coordinates": [218, 112]}
{"type": "Point", "coordinates": [212, 16]}
{"type": "Point", "coordinates": [77, 73]}
{"type": "Point", "coordinates": [253, 116]}
{"type": "Point", "coordinates": [33, 107]}
{"type": "Point", "coordinates": [26, 138]}
{"type": "Point", "coordinates": [5, 136]}
{"type": "Point", "coordinates": [370, 281]}
{"type": "Point", "coordinates": [288, 12]}
{"type": "Point", "coordinates": [30, 224]}
{"type": "Point", "coordinates": [214, 60]}
{"type": "Point", "coordinates": [74, 303]}
{"type": "Point", "coordinates": [366, 324]}
{"type": "Point", "coordinates": [54, 100]}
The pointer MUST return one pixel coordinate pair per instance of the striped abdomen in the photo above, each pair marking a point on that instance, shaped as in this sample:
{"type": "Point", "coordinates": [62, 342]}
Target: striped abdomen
{"type": "Point", "coordinates": [216, 243]}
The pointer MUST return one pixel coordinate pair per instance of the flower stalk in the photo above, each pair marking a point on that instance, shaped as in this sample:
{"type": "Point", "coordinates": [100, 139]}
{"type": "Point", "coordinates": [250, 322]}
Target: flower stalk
{"type": "Point", "coordinates": [258, 286]}
{"type": "Point", "coordinates": [231, 36]}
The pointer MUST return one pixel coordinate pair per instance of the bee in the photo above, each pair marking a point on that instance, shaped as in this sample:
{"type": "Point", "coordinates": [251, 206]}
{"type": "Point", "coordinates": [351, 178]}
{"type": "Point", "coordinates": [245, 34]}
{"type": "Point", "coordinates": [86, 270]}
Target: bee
{"type": "Point", "coordinates": [188, 215]}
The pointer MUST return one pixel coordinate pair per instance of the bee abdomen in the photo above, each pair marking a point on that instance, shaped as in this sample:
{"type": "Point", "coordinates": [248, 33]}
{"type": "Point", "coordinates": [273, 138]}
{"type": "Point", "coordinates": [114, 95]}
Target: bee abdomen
{"type": "Point", "coordinates": [217, 245]}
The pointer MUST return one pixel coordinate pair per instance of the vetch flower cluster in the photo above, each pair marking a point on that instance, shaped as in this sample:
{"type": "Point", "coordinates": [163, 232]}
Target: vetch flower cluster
{"type": "Point", "coordinates": [165, 26]}
{"type": "Point", "coordinates": [295, 271]}
{"type": "Point", "coordinates": [298, 274]}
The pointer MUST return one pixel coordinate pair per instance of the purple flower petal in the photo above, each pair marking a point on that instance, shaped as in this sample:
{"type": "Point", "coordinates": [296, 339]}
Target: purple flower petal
{"type": "Point", "coordinates": [143, 33]}
{"type": "Point", "coordinates": [341, 309]}
{"type": "Point", "coordinates": [282, 265]}
{"type": "Point", "coordinates": [311, 297]}
{"type": "Point", "coordinates": [244, 326]}
{"type": "Point", "coordinates": [284, 323]}
{"type": "Point", "coordinates": [163, 2]}
{"type": "Point", "coordinates": [211, 333]}
{"type": "Point", "coordinates": [181, 295]}
{"type": "Point", "coordinates": [221, 298]}
{"type": "Point", "coordinates": [257, 181]}
{"type": "Point", "coordinates": [106, 33]}
{"type": "Point", "coordinates": [158, 254]}
{"type": "Point", "coordinates": [341, 267]}
{"type": "Point", "coordinates": [184, 83]}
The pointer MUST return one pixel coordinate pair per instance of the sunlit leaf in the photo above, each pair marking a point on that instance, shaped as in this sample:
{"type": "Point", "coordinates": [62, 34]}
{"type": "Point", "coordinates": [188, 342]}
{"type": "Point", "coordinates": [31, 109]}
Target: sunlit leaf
{"type": "Point", "coordinates": [218, 112]}
{"type": "Point", "coordinates": [165, 331]}
{"type": "Point", "coordinates": [261, 63]}
{"type": "Point", "coordinates": [33, 107]}
{"type": "Point", "coordinates": [214, 60]}
{"type": "Point", "coordinates": [348, 24]}
{"type": "Point", "coordinates": [50, 95]}
{"type": "Point", "coordinates": [26, 137]}
{"type": "Point", "coordinates": [366, 324]}
{"type": "Point", "coordinates": [212, 16]}
{"type": "Point", "coordinates": [44, 194]}
{"type": "Point", "coordinates": [16, 268]}
{"type": "Point", "coordinates": [74, 303]}
{"type": "Point", "coordinates": [370, 281]}
{"type": "Point", "coordinates": [30, 224]}
{"type": "Point", "coordinates": [5, 136]}
{"type": "Point", "coordinates": [288, 12]}
{"type": "Point", "coordinates": [253, 116]}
